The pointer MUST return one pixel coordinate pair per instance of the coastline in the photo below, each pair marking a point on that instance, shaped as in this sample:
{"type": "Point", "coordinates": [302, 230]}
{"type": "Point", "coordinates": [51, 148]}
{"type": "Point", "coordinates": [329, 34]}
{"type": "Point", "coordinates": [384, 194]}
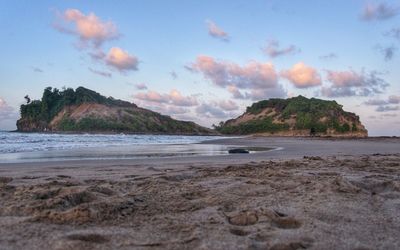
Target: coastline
{"type": "Point", "coordinates": [313, 193]}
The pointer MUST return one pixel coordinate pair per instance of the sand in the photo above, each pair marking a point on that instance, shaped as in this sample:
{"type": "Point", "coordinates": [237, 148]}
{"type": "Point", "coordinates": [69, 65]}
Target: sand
{"type": "Point", "coordinates": [312, 194]}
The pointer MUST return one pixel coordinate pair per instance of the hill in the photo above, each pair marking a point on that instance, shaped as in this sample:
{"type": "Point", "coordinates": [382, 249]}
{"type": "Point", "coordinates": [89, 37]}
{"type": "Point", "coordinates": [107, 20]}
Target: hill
{"type": "Point", "coordinates": [297, 116]}
{"type": "Point", "coordinates": [84, 110]}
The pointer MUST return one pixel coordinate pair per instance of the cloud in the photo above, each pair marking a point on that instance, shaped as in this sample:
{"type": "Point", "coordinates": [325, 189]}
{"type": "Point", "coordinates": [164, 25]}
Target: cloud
{"type": "Point", "coordinates": [235, 92]}
{"type": "Point", "coordinates": [100, 73]}
{"type": "Point", "coordinates": [329, 56]}
{"type": "Point", "coordinates": [387, 108]}
{"type": "Point", "coordinates": [121, 60]}
{"type": "Point", "coordinates": [92, 33]}
{"type": "Point", "coordinates": [381, 11]}
{"type": "Point", "coordinates": [173, 98]}
{"type": "Point", "coordinates": [217, 32]}
{"type": "Point", "coordinates": [167, 109]}
{"type": "Point", "coordinates": [228, 105]}
{"type": "Point", "coordinates": [178, 99]}
{"type": "Point", "coordinates": [393, 99]}
{"type": "Point", "coordinates": [6, 112]}
{"type": "Point", "coordinates": [141, 86]}
{"type": "Point", "coordinates": [211, 111]}
{"type": "Point", "coordinates": [375, 102]}
{"type": "Point", "coordinates": [89, 29]}
{"type": "Point", "coordinates": [174, 75]}
{"type": "Point", "coordinates": [97, 54]}
{"type": "Point", "coordinates": [254, 76]}
{"type": "Point", "coordinates": [387, 52]}
{"type": "Point", "coordinates": [351, 83]}
{"type": "Point", "coordinates": [37, 70]}
{"type": "Point", "coordinates": [273, 49]}
{"type": "Point", "coordinates": [302, 76]}
{"type": "Point", "coordinates": [394, 33]}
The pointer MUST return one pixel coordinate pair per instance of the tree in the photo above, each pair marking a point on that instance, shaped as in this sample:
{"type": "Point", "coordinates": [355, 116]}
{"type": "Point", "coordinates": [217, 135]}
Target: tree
{"type": "Point", "coordinates": [28, 99]}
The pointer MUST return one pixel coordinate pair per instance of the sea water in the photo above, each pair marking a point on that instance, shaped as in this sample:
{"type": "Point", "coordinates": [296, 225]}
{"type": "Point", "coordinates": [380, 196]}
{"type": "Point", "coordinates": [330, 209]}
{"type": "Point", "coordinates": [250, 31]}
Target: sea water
{"type": "Point", "coordinates": [26, 147]}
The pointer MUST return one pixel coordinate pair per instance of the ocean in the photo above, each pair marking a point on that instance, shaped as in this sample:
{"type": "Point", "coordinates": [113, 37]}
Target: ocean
{"type": "Point", "coordinates": [26, 147]}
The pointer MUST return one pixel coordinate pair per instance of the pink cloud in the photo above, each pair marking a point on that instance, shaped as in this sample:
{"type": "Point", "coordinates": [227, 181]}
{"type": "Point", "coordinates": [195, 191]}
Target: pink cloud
{"type": "Point", "coordinates": [254, 76]}
{"type": "Point", "coordinates": [235, 92]}
{"type": "Point", "coordinates": [352, 83]}
{"type": "Point", "coordinates": [178, 99]}
{"type": "Point", "coordinates": [228, 105]}
{"type": "Point", "coordinates": [121, 60]}
{"type": "Point", "coordinates": [217, 32]}
{"type": "Point", "coordinates": [345, 78]}
{"type": "Point", "coordinates": [173, 111]}
{"type": "Point", "coordinates": [92, 33]}
{"type": "Point", "coordinates": [173, 98]}
{"type": "Point", "coordinates": [302, 76]}
{"type": "Point", "coordinates": [151, 96]}
{"type": "Point", "coordinates": [88, 28]}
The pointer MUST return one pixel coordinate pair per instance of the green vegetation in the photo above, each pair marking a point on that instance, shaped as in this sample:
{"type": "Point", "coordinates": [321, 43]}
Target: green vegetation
{"type": "Point", "coordinates": [253, 126]}
{"type": "Point", "coordinates": [54, 100]}
{"type": "Point", "coordinates": [114, 116]}
{"type": "Point", "coordinates": [315, 115]}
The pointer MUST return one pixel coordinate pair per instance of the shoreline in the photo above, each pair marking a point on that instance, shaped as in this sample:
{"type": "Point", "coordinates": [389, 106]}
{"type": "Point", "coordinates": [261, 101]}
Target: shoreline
{"type": "Point", "coordinates": [210, 151]}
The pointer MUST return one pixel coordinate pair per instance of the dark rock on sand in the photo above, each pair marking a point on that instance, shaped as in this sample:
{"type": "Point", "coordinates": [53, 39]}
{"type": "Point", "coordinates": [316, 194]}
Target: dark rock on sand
{"type": "Point", "coordinates": [238, 151]}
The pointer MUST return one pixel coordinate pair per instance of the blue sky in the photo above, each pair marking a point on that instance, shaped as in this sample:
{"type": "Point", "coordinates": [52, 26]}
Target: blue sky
{"type": "Point", "coordinates": [188, 58]}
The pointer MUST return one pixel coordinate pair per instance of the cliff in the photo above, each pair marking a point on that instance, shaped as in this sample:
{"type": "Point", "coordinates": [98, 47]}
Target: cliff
{"type": "Point", "coordinates": [297, 116]}
{"type": "Point", "coordinates": [83, 110]}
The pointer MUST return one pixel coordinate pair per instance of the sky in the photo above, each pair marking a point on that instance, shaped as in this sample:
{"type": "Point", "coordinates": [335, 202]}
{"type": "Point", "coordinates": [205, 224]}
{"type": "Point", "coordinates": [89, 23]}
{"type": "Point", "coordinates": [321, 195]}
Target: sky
{"type": "Point", "coordinates": [206, 61]}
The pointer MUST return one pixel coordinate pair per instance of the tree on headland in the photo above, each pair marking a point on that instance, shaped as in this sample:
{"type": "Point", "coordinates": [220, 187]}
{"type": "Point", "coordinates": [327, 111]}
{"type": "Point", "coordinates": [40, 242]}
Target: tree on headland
{"type": "Point", "coordinates": [28, 99]}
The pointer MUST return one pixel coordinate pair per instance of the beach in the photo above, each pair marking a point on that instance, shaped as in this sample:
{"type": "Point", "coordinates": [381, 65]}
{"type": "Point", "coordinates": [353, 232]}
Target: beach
{"type": "Point", "coordinates": [297, 193]}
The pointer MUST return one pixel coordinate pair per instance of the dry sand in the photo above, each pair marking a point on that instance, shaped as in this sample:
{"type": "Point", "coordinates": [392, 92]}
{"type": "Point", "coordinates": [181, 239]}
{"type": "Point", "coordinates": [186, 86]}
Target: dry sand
{"type": "Point", "coordinates": [321, 200]}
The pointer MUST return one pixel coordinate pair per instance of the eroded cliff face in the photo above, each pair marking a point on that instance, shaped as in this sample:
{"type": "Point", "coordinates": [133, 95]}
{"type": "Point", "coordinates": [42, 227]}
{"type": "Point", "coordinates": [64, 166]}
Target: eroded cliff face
{"type": "Point", "coordinates": [296, 116]}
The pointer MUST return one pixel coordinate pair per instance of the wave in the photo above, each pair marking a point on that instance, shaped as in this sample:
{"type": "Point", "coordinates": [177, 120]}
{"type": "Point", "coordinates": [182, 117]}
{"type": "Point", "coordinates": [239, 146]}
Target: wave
{"type": "Point", "coordinates": [32, 142]}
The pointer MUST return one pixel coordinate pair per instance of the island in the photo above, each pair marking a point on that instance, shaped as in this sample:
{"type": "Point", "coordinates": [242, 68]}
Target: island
{"type": "Point", "coordinates": [84, 110]}
{"type": "Point", "coordinates": [297, 116]}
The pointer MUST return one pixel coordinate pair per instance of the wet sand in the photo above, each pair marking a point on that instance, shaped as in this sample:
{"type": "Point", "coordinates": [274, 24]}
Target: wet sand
{"type": "Point", "coordinates": [309, 194]}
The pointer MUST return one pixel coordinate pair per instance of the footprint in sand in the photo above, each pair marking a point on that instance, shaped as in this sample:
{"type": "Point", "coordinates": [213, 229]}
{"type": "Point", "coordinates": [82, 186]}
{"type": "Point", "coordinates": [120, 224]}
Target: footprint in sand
{"type": "Point", "coordinates": [244, 218]}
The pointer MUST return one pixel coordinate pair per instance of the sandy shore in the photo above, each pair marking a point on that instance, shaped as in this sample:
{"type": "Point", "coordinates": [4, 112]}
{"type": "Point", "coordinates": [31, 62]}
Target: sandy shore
{"type": "Point", "coordinates": [309, 194]}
